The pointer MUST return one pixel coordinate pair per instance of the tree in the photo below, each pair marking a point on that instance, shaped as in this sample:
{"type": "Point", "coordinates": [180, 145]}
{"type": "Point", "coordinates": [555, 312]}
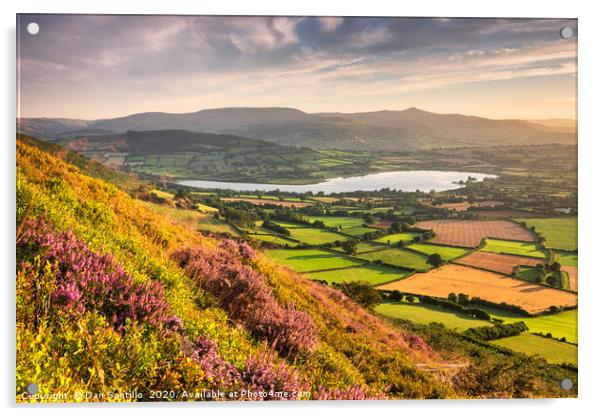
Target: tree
{"type": "Point", "coordinates": [434, 260]}
{"type": "Point", "coordinates": [396, 227]}
{"type": "Point", "coordinates": [181, 193]}
{"type": "Point", "coordinates": [362, 293]}
{"type": "Point", "coordinates": [463, 299]}
{"type": "Point", "coordinates": [395, 296]}
{"type": "Point", "coordinates": [350, 246]}
{"type": "Point", "coordinates": [555, 266]}
{"type": "Point", "coordinates": [410, 299]}
{"type": "Point", "coordinates": [452, 297]}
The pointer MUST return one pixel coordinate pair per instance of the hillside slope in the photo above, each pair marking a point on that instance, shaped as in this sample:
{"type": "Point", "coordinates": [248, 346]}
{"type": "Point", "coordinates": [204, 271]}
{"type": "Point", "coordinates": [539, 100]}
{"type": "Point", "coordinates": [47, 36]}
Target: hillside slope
{"type": "Point", "coordinates": [99, 275]}
{"type": "Point", "coordinates": [113, 297]}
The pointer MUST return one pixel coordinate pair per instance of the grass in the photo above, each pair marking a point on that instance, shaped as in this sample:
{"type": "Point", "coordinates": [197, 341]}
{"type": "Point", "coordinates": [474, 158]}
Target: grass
{"type": "Point", "coordinates": [206, 208]}
{"type": "Point", "coordinates": [272, 239]}
{"type": "Point", "coordinates": [398, 257]}
{"type": "Point", "coordinates": [560, 233]}
{"type": "Point", "coordinates": [161, 194]}
{"type": "Point", "coordinates": [395, 238]}
{"type": "Point", "coordinates": [447, 253]}
{"type": "Point", "coordinates": [567, 259]}
{"type": "Point", "coordinates": [289, 224]}
{"type": "Point", "coordinates": [372, 273]}
{"type": "Point", "coordinates": [553, 351]}
{"type": "Point", "coordinates": [315, 236]}
{"type": "Point", "coordinates": [514, 247]}
{"type": "Point", "coordinates": [563, 324]}
{"type": "Point", "coordinates": [357, 231]}
{"type": "Point", "coordinates": [363, 247]}
{"type": "Point", "coordinates": [307, 260]}
{"type": "Point", "coordinates": [343, 222]}
{"type": "Point", "coordinates": [527, 273]}
{"type": "Point", "coordinates": [425, 314]}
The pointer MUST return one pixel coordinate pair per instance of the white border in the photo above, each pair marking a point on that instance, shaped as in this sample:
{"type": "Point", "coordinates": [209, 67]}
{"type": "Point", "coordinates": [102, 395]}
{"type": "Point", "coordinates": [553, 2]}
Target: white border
{"type": "Point", "coordinates": [589, 174]}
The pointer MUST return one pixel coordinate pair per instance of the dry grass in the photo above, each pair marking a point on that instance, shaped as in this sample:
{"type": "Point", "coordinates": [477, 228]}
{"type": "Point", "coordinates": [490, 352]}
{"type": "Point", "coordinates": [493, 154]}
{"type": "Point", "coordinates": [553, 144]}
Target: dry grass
{"type": "Point", "coordinates": [463, 206]}
{"type": "Point", "coordinates": [469, 233]}
{"type": "Point", "coordinates": [501, 263]}
{"type": "Point", "coordinates": [486, 285]}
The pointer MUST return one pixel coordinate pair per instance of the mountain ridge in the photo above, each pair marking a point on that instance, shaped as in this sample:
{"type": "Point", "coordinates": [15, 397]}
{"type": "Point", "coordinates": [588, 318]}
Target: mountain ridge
{"type": "Point", "coordinates": [389, 130]}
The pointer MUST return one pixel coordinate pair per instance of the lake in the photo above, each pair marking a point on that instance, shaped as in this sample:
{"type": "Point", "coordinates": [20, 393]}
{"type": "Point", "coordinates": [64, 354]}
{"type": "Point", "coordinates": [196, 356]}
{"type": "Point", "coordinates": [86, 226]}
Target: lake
{"type": "Point", "coordinates": [409, 180]}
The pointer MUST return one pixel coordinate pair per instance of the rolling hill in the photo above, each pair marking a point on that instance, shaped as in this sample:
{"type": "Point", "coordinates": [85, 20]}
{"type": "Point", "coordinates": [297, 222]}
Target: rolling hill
{"type": "Point", "coordinates": [186, 154]}
{"type": "Point", "coordinates": [406, 130]}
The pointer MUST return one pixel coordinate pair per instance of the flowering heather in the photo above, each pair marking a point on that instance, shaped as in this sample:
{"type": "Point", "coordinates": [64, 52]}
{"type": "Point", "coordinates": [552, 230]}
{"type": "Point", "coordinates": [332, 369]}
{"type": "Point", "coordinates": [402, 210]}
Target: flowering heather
{"type": "Point", "coordinates": [88, 281]}
{"type": "Point", "coordinates": [217, 371]}
{"type": "Point", "coordinates": [245, 295]}
{"type": "Point", "coordinates": [349, 393]}
{"type": "Point", "coordinates": [259, 376]}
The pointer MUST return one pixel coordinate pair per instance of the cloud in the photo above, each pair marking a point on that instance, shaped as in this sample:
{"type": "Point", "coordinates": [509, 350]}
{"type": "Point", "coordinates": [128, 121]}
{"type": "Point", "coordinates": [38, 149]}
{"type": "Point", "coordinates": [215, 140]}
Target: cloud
{"type": "Point", "coordinates": [330, 24]}
{"type": "Point", "coordinates": [189, 62]}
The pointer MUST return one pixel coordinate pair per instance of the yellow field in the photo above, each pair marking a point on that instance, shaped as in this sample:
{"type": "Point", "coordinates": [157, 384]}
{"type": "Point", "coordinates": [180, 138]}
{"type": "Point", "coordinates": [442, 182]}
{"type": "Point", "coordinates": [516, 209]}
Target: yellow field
{"type": "Point", "coordinates": [486, 285]}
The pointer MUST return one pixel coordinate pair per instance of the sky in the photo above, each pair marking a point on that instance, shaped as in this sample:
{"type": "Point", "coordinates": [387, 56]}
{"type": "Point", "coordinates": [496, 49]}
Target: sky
{"type": "Point", "coordinates": [103, 66]}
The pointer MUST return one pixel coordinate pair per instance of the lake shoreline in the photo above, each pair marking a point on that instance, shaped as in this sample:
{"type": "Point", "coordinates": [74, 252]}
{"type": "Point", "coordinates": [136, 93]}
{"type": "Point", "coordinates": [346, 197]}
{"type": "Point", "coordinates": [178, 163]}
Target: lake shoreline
{"type": "Point", "coordinates": [402, 180]}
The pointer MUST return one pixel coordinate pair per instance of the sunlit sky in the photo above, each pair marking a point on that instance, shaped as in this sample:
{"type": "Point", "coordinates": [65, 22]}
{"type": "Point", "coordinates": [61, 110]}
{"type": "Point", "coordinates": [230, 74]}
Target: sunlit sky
{"type": "Point", "coordinates": [90, 67]}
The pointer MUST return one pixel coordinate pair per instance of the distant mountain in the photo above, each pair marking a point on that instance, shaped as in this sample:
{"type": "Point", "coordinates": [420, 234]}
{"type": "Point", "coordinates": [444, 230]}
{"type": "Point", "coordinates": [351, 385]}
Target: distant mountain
{"type": "Point", "coordinates": [558, 124]}
{"type": "Point", "coordinates": [405, 130]}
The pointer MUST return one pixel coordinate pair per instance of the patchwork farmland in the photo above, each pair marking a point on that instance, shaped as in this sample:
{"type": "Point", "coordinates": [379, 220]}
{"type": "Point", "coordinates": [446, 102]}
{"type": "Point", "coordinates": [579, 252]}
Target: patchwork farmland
{"type": "Point", "coordinates": [468, 233]}
{"type": "Point", "coordinates": [307, 260]}
{"type": "Point", "coordinates": [427, 314]}
{"type": "Point", "coordinates": [373, 274]}
{"type": "Point", "coordinates": [553, 351]}
{"type": "Point", "coordinates": [501, 263]}
{"type": "Point", "coordinates": [517, 248]}
{"type": "Point", "coordinates": [560, 233]}
{"type": "Point", "coordinates": [490, 286]}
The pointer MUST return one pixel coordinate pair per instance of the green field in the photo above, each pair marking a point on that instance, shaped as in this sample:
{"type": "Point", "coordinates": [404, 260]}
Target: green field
{"type": "Point", "coordinates": [398, 257]}
{"type": "Point", "coordinates": [271, 238]}
{"type": "Point", "coordinates": [206, 208]}
{"type": "Point", "coordinates": [161, 194]}
{"type": "Point", "coordinates": [447, 253]}
{"type": "Point", "coordinates": [514, 247]}
{"type": "Point", "coordinates": [527, 273]}
{"type": "Point", "coordinates": [560, 233]}
{"type": "Point", "coordinates": [343, 222]}
{"type": "Point", "coordinates": [530, 275]}
{"type": "Point", "coordinates": [395, 238]}
{"type": "Point", "coordinates": [315, 236]}
{"type": "Point", "coordinates": [363, 247]}
{"type": "Point", "coordinates": [289, 224]}
{"type": "Point", "coordinates": [563, 324]}
{"type": "Point", "coordinates": [307, 260]}
{"type": "Point", "coordinates": [372, 273]}
{"type": "Point", "coordinates": [425, 314]}
{"type": "Point", "coordinates": [358, 231]}
{"type": "Point", "coordinates": [566, 259]}
{"type": "Point", "coordinates": [553, 351]}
